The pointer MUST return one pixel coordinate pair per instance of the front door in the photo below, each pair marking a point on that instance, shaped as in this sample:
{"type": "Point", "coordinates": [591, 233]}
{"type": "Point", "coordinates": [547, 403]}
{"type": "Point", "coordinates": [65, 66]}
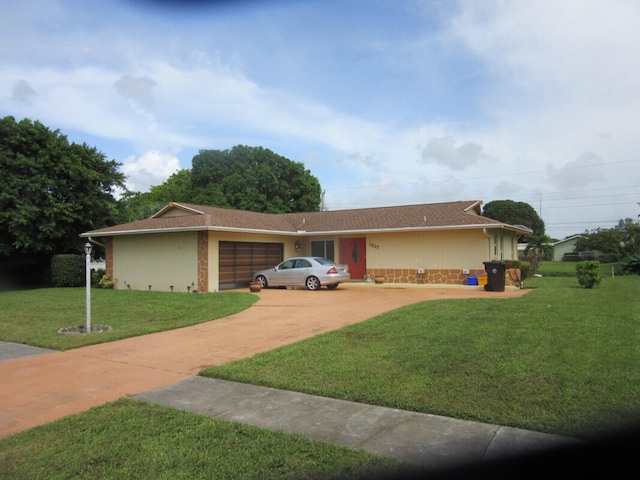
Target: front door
{"type": "Point", "coordinates": [353, 252]}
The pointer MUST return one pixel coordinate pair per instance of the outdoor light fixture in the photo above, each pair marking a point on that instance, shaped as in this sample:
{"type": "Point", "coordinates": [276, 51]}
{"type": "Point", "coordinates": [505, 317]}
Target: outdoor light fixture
{"type": "Point", "coordinates": [87, 251]}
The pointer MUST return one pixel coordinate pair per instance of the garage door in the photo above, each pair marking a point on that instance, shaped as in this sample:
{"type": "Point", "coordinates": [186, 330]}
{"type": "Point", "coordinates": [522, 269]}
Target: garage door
{"type": "Point", "coordinates": [238, 260]}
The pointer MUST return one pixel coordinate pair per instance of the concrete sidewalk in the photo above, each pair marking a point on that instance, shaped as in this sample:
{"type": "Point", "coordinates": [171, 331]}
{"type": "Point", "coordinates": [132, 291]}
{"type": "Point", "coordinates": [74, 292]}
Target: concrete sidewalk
{"type": "Point", "coordinates": [426, 440]}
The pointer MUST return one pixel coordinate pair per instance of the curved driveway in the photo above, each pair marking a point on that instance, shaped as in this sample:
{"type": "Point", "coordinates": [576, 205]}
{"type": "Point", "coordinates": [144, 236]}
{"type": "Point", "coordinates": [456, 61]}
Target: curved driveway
{"type": "Point", "coordinates": [39, 389]}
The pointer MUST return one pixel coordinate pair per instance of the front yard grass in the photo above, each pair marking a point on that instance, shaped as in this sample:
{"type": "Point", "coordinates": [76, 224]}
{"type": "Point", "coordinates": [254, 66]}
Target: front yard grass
{"type": "Point", "coordinates": [34, 317]}
{"type": "Point", "coordinates": [561, 359]}
{"type": "Point", "coordinates": [127, 439]}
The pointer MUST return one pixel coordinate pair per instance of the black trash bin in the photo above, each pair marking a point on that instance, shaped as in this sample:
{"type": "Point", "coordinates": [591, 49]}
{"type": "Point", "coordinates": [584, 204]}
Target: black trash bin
{"type": "Point", "coordinates": [495, 276]}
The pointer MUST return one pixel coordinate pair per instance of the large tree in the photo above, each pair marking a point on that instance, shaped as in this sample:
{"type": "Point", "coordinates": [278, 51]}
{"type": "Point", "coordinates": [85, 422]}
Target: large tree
{"type": "Point", "coordinates": [51, 191]}
{"type": "Point", "coordinates": [514, 213]}
{"type": "Point", "coordinates": [244, 178]}
{"type": "Point", "coordinates": [255, 179]}
{"type": "Point", "coordinates": [177, 188]}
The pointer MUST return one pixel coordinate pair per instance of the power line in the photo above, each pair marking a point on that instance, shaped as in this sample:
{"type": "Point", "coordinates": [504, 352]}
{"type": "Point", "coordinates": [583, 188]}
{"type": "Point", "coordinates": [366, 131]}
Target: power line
{"type": "Point", "coordinates": [500, 175]}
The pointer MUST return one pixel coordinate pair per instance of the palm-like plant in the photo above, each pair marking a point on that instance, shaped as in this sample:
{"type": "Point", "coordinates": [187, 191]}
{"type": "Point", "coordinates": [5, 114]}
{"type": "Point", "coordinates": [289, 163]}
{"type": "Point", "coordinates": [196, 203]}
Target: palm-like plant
{"type": "Point", "coordinates": [538, 248]}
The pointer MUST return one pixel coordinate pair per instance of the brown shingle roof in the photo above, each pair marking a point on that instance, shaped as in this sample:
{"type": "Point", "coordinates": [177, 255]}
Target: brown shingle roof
{"type": "Point", "coordinates": [462, 214]}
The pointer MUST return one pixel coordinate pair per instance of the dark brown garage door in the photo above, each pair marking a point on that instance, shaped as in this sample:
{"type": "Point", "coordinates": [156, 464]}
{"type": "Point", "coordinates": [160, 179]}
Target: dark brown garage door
{"type": "Point", "coordinates": [238, 260]}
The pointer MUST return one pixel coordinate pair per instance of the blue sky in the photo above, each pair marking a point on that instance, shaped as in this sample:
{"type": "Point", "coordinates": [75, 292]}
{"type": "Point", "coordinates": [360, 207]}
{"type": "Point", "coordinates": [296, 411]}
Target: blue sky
{"type": "Point", "coordinates": [386, 102]}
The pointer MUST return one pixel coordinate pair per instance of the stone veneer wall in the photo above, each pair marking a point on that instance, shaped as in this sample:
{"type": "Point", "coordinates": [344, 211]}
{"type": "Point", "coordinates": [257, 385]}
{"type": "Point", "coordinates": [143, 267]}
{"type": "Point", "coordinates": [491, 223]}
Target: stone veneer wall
{"type": "Point", "coordinates": [203, 261]}
{"type": "Point", "coordinates": [431, 276]}
{"type": "Point", "coordinates": [438, 276]}
{"type": "Point", "coordinates": [513, 278]}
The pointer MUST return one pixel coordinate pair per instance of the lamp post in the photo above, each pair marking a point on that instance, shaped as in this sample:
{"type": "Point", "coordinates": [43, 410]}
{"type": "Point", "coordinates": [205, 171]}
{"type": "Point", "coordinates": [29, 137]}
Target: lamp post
{"type": "Point", "coordinates": [87, 251]}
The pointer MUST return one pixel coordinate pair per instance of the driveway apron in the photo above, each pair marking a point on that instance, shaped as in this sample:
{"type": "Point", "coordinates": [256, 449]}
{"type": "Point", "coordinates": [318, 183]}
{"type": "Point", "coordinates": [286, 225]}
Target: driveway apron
{"type": "Point", "coordinates": [38, 389]}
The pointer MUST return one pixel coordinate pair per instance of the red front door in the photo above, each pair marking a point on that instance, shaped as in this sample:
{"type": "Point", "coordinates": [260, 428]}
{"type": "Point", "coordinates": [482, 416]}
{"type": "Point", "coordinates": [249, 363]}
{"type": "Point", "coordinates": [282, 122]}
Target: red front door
{"type": "Point", "coordinates": [353, 252]}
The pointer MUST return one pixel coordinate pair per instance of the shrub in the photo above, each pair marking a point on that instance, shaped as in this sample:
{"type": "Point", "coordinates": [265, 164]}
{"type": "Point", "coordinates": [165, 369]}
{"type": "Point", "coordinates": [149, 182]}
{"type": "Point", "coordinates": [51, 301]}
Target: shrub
{"type": "Point", "coordinates": [105, 282]}
{"type": "Point", "coordinates": [631, 264]}
{"type": "Point", "coordinates": [588, 273]}
{"type": "Point", "coordinates": [67, 270]}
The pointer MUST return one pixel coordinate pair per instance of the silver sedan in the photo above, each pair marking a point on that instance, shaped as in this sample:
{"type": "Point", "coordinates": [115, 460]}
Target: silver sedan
{"type": "Point", "coordinates": [310, 272]}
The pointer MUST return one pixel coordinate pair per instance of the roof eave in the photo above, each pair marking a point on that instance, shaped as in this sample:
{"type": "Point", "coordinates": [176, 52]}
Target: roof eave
{"type": "Point", "coordinates": [513, 228]}
{"type": "Point", "coordinates": [406, 229]}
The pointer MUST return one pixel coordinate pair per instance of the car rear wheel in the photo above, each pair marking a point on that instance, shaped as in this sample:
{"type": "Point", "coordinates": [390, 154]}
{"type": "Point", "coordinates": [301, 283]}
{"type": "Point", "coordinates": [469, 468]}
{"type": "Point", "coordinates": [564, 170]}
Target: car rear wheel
{"type": "Point", "coordinates": [312, 283]}
{"type": "Point", "coordinates": [262, 280]}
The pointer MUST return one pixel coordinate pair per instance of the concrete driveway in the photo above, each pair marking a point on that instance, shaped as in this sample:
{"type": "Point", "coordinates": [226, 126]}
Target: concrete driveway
{"type": "Point", "coordinates": [38, 389]}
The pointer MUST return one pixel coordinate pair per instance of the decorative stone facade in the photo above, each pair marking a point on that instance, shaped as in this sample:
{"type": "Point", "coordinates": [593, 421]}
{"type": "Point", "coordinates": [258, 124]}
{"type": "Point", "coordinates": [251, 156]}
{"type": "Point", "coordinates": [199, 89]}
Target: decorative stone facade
{"type": "Point", "coordinates": [438, 276]}
{"type": "Point", "coordinates": [203, 261]}
{"type": "Point", "coordinates": [430, 276]}
{"type": "Point", "coordinates": [513, 278]}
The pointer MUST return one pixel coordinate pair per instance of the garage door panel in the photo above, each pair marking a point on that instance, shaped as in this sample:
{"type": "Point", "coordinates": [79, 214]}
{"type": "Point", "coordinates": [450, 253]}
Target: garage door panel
{"type": "Point", "coordinates": [239, 260]}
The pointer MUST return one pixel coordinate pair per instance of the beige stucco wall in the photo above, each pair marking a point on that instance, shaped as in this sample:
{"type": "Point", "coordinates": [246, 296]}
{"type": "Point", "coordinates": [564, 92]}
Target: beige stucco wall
{"type": "Point", "coordinates": [162, 260]}
{"type": "Point", "coordinates": [436, 257]}
{"type": "Point", "coordinates": [461, 249]}
{"type": "Point", "coordinates": [159, 260]}
{"type": "Point", "coordinates": [503, 245]}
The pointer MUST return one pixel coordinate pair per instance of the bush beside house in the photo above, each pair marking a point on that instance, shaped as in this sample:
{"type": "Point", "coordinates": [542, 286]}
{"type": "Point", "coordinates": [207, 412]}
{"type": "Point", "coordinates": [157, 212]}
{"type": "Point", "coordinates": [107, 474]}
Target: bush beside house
{"type": "Point", "coordinates": [67, 270]}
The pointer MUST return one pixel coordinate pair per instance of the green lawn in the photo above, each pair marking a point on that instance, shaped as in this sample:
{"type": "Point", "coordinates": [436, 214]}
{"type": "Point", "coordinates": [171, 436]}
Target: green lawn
{"type": "Point", "coordinates": [561, 359]}
{"type": "Point", "coordinates": [133, 440]}
{"type": "Point", "coordinates": [568, 269]}
{"type": "Point", "coordinates": [34, 317]}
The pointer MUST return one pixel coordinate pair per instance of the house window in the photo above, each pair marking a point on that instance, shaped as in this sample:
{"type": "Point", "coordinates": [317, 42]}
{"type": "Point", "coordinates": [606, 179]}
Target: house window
{"type": "Point", "coordinates": [322, 248]}
{"type": "Point", "coordinates": [495, 246]}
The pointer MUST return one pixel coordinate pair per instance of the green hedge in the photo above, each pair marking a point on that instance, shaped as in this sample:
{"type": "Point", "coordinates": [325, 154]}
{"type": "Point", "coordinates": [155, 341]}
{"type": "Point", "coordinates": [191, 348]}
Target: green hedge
{"type": "Point", "coordinates": [68, 270]}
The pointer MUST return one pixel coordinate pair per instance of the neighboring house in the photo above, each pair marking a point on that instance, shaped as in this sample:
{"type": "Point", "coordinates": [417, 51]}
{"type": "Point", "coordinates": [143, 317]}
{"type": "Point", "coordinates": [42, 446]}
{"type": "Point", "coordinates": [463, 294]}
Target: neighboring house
{"type": "Point", "coordinates": [564, 246]}
{"type": "Point", "coordinates": [186, 247]}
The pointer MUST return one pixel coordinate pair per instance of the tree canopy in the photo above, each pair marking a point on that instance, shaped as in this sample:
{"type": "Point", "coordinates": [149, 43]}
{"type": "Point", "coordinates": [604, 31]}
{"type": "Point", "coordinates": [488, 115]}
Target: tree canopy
{"type": "Point", "coordinates": [255, 179]}
{"type": "Point", "coordinates": [514, 213]}
{"type": "Point", "coordinates": [621, 241]}
{"type": "Point", "coordinates": [51, 190]}
{"type": "Point", "coordinates": [244, 178]}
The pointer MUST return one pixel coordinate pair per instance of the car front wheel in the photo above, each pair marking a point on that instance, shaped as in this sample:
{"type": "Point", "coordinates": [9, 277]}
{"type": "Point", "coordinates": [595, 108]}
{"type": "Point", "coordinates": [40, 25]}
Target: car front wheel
{"type": "Point", "coordinates": [262, 280]}
{"type": "Point", "coordinates": [313, 283]}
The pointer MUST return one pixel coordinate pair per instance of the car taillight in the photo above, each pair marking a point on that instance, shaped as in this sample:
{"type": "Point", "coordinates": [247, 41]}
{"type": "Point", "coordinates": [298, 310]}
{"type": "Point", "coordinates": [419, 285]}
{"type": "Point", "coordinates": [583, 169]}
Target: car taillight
{"type": "Point", "coordinates": [332, 270]}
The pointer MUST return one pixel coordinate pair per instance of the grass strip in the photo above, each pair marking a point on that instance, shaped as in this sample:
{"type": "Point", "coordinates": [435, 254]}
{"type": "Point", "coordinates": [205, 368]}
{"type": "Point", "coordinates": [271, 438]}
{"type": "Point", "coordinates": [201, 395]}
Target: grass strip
{"type": "Point", "coordinates": [128, 439]}
{"type": "Point", "coordinates": [34, 317]}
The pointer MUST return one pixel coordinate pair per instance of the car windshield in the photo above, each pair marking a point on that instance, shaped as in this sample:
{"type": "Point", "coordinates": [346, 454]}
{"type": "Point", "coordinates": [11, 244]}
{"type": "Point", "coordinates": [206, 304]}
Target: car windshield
{"type": "Point", "coordinates": [324, 261]}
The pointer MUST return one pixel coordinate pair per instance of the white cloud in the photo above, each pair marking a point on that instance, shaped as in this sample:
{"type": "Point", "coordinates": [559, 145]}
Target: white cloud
{"type": "Point", "coordinates": [443, 150]}
{"type": "Point", "coordinates": [22, 92]}
{"type": "Point", "coordinates": [580, 173]}
{"type": "Point", "coordinates": [136, 89]}
{"type": "Point", "coordinates": [151, 168]}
